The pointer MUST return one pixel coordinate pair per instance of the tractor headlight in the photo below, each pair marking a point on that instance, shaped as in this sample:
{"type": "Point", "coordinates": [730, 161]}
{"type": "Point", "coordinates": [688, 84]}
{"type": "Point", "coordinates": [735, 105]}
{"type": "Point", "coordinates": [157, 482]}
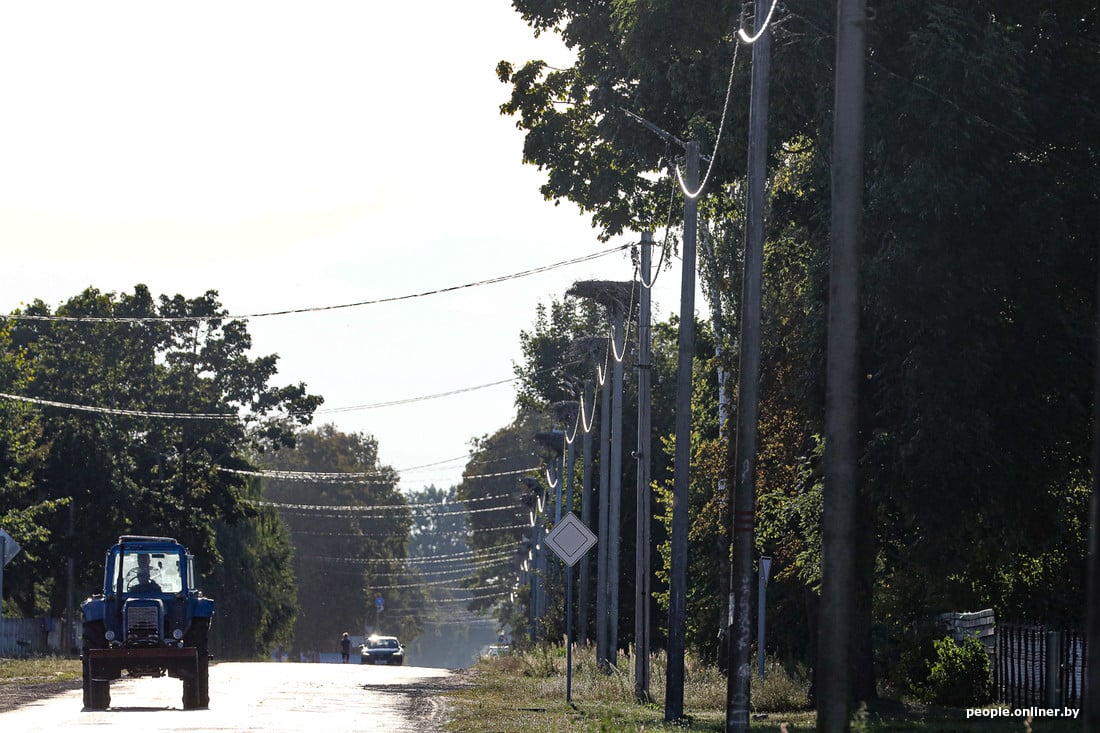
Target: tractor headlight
{"type": "Point", "coordinates": [109, 636]}
{"type": "Point", "coordinates": [177, 634]}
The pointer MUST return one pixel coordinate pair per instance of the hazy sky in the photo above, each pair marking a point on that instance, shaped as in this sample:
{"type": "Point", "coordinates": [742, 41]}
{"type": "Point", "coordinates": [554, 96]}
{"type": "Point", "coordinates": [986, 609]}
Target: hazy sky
{"type": "Point", "coordinates": [291, 155]}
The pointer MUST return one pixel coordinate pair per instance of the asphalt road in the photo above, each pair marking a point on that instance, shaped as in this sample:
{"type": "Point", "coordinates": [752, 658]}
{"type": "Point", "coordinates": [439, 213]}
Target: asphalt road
{"type": "Point", "coordinates": [268, 697]}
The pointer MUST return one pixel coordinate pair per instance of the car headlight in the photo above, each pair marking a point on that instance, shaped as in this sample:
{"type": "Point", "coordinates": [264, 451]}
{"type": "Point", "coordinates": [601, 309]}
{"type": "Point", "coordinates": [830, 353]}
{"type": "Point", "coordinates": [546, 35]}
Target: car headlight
{"type": "Point", "coordinates": [177, 634]}
{"type": "Point", "coordinates": [109, 636]}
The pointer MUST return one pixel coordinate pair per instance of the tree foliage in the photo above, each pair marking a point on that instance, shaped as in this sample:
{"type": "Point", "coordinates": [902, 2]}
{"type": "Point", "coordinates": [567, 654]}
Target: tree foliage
{"type": "Point", "coordinates": [349, 536]}
{"type": "Point", "coordinates": [133, 461]}
{"type": "Point", "coordinates": [977, 271]}
{"type": "Point", "coordinates": [442, 560]}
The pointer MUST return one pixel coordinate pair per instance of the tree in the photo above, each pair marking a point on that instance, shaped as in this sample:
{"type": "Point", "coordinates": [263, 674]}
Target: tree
{"type": "Point", "coordinates": [977, 270]}
{"type": "Point", "coordinates": [164, 395]}
{"type": "Point", "coordinates": [26, 508]}
{"type": "Point", "coordinates": [254, 585]}
{"type": "Point", "coordinates": [350, 527]}
{"type": "Point", "coordinates": [441, 559]}
{"type": "Point", "coordinates": [492, 476]}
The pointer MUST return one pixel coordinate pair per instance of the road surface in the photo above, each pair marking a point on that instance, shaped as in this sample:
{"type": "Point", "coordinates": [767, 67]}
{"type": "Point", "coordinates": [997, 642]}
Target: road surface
{"type": "Point", "coordinates": [268, 697]}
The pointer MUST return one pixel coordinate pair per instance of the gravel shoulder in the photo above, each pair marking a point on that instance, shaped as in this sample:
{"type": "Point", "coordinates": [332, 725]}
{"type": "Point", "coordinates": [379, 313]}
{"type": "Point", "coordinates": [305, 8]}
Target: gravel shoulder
{"type": "Point", "coordinates": [16, 693]}
{"type": "Point", "coordinates": [426, 701]}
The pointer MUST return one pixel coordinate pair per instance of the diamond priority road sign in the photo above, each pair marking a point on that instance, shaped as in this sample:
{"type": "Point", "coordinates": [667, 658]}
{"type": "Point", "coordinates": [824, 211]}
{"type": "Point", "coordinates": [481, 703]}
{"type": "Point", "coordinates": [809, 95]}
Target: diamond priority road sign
{"type": "Point", "coordinates": [9, 548]}
{"type": "Point", "coordinates": [570, 539]}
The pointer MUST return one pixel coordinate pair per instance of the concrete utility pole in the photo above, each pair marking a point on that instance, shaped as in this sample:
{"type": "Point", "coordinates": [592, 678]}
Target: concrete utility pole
{"type": "Point", "coordinates": [586, 508]}
{"type": "Point", "coordinates": [567, 414]}
{"type": "Point", "coordinates": [1091, 706]}
{"type": "Point", "coordinates": [616, 297]}
{"type": "Point", "coordinates": [641, 526]}
{"type": "Point", "coordinates": [538, 561]}
{"type": "Point", "coordinates": [3, 562]}
{"type": "Point", "coordinates": [70, 584]}
{"type": "Point", "coordinates": [589, 351]}
{"type": "Point", "coordinates": [554, 442]}
{"type": "Point", "coordinates": [604, 530]}
{"type": "Point", "coordinates": [739, 635]}
{"type": "Point", "coordinates": [677, 612]}
{"type": "Point", "coordinates": [833, 668]}
{"type": "Point", "coordinates": [613, 518]}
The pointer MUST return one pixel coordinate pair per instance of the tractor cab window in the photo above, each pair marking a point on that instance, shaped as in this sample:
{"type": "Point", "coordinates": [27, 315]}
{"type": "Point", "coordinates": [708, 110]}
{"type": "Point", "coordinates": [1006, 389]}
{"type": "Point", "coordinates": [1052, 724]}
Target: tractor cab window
{"type": "Point", "coordinates": [150, 572]}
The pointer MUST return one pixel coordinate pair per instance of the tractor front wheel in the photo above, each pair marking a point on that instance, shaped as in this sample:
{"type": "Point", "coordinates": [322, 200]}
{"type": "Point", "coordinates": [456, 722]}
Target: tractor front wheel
{"type": "Point", "coordinates": [97, 693]}
{"type": "Point", "coordinates": [196, 690]}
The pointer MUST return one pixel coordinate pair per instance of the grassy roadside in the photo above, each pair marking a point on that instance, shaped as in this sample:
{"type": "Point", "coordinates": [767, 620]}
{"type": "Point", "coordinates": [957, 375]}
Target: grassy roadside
{"type": "Point", "coordinates": [525, 693]}
{"type": "Point", "coordinates": [36, 670]}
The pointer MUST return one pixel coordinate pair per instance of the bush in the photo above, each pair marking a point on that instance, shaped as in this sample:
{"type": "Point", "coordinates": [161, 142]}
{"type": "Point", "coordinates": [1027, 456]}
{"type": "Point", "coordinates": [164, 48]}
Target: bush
{"type": "Point", "coordinates": [960, 675]}
{"type": "Point", "coordinates": [780, 690]}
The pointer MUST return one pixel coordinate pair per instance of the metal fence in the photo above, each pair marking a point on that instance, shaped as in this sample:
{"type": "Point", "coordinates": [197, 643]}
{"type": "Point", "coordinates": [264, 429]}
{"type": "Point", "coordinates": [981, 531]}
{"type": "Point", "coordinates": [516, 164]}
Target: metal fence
{"type": "Point", "coordinates": [1029, 659]}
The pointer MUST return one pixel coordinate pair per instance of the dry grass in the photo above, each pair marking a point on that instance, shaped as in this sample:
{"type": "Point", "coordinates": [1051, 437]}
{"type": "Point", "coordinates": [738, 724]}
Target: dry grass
{"type": "Point", "coordinates": [526, 692]}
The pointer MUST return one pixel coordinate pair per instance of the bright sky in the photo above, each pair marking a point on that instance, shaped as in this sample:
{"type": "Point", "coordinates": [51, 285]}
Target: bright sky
{"type": "Point", "coordinates": [291, 155]}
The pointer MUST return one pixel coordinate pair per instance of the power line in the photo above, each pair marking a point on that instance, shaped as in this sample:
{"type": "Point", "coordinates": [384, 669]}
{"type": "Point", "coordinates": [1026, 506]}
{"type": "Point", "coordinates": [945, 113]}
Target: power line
{"type": "Point", "coordinates": [313, 309]}
{"type": "Point", "coordinates": [402, 506]}
{"type": "Point", "coordinates": [460, 533]}
{"type": "Point", "coordinates": [121, 412]}
{"type": "Point", "coordinates": [361, 510]}
{"type": "Point", "coordinates": [408, 400]}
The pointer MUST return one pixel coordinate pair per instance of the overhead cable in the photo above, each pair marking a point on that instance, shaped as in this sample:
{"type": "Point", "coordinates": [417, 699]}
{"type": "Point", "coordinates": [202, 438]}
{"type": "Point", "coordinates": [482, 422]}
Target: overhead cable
{"type": "Point", "coordinates": [367, 509]}
{"type": "Point", "coordinates": [314, 309]}
{"type": "Point", "coordinates": [125, 413]}
{"type": "Point", "coordinates": [756, 36]}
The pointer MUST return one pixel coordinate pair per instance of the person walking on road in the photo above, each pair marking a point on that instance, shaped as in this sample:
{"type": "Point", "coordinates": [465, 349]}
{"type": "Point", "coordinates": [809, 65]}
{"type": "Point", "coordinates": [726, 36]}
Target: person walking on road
{"type": "Point", "coordinates": [345, 648]}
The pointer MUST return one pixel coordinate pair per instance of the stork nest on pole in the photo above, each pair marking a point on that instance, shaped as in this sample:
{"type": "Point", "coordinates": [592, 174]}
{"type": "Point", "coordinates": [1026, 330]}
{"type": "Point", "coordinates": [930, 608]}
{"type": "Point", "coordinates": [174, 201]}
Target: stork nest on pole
{"type": "Point", "coordinates": [588, 349]}
{"type": "Point", "coordinates": [609, 293]}
{"type": "Point", "coordinates": [553, 440]}
{"type": "Point", "coordinates": [565, 411]}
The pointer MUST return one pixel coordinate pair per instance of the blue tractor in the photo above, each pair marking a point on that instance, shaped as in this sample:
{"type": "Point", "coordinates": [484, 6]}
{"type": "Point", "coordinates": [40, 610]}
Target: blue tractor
{"type": "Point", "coordinates": [149, 620]}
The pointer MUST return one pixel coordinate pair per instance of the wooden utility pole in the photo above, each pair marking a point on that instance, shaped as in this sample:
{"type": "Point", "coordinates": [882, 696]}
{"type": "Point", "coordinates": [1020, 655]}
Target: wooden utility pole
{"type": "Point", "coordinates": [677, 611]}
{"type": "Point", "coordinates": [834, 684]}
{"type": "Point", "coordinates": [641, 525]}
{"type": "Point", "coordinates": [739, 635]}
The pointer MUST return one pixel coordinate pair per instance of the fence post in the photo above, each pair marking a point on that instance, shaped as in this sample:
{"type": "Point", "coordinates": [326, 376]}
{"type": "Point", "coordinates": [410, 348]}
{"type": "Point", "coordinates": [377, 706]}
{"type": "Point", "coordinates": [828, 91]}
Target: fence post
{"type": "Point", "coordinates": [1054, 669]}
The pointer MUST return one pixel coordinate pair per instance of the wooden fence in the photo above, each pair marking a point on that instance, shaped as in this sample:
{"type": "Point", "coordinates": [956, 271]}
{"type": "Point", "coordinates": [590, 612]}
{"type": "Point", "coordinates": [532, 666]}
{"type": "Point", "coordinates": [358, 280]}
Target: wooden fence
{"type": "Point", "coordinates": [22, 636]}
{"type": "Point", "coordinates": [1020, 670]}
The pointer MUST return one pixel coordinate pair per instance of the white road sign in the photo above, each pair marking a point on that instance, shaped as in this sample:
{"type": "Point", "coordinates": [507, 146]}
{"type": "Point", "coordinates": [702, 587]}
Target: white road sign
{"type": "Point", "coordinates": [10, 547]}
{"type": "Point", "coordinates": [570, 539]}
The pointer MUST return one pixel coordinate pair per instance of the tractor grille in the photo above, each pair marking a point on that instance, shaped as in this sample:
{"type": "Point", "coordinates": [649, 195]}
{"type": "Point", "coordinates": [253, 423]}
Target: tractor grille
{"type": "Point", "coordinates": [142, 622]}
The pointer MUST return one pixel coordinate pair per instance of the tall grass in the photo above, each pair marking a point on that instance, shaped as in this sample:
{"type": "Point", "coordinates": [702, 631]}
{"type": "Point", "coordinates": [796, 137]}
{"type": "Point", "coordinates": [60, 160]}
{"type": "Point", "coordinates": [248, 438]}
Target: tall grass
{"type": "Point", "coordinates": [39, 669]}
{"type": "Point", "coordinates": [704, 685]}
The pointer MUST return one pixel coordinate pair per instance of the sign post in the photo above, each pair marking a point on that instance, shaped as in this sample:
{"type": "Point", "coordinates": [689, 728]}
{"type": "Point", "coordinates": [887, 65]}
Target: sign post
{"type": "Point", "coordinates": [765, 571]}
{"type": "Point", "coordinates": [9, 548]}
{"type": "Point", "coordinates": [569, 540]}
